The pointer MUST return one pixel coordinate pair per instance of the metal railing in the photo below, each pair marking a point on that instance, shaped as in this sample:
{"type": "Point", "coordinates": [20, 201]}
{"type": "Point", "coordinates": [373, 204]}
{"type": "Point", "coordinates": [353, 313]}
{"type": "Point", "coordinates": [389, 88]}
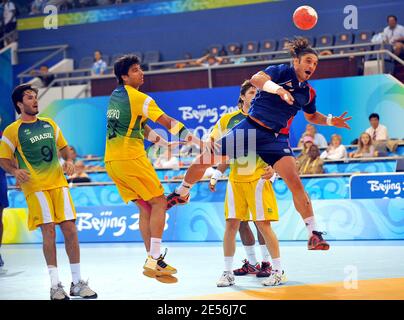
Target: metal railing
{"type": "Point", "coordinates": [12, 33]}
{"type": "Point", "coordinates": [58, 49]}
{"type": "Point", "coordinates": [68, 77]}
{"type": "Point", "coordinates": [163, 181]}
{"type": "Point", "coordinates": [269, 53]}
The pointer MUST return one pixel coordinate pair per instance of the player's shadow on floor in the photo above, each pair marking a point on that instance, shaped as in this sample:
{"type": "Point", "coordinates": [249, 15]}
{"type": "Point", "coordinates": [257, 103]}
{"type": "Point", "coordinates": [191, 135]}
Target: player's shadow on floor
{"type": "Point", "coordinates": [4, 273]}
{"type": "Point", "coordinates": [164, 279]}
{"type": "Point", "coordinates": [260, 292]}
{"type": "Point", "coordinates": [258, 286]}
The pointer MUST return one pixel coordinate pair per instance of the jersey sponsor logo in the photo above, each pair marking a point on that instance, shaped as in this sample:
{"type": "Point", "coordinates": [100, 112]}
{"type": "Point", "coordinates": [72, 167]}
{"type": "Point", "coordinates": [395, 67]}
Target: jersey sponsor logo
{"type": "Point", "coordinates": [286, 150]}
{"type": "Point", "coordinates": [27, 132]}
{"type": "Point", "coordinates": [46, 126]}
{"type": "Point", "coordinates": [41, 137]}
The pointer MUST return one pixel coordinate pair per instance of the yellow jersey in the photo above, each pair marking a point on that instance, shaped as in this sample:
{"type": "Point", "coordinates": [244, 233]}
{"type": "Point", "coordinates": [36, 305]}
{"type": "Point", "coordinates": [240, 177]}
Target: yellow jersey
{"type": "Point", "coordinates": [127, 114]}
{"type": "Point", "coordinates": [242, 169]}
{"type": "Point", "coordinates": [35, 144]}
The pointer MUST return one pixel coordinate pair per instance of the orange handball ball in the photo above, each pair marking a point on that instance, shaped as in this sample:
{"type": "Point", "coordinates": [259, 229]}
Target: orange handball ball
{"type": "Point", "coordinates": [305, 17]}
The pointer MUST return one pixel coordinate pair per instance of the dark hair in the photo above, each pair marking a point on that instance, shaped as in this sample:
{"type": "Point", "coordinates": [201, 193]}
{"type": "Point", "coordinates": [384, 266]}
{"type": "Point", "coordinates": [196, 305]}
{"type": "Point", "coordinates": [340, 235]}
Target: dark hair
{"type": "Point", "coordinates": [99, 51]}
{"type": "Point", "coordinates": [18, 94]}
{"type": "Point", "coordinates": [123, 64]}
{"type": "Point", "coordinates": [374, 115]}
{"type": "Point", "coordinates": [391, 16]}
{"type": "Point", "coordinates": [299, 47]}
{"type": "Point", "coordinates": [316, 150]}
{"type": "Point", "coordinates": [243, 89]}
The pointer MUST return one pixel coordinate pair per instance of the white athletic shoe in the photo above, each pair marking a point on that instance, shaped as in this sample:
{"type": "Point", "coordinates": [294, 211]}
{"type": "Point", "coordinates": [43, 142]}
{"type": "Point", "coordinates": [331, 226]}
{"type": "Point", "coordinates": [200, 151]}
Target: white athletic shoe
{"type": "Point", "coordinates": [275, 279]}
{"type": "Point", "coordinates": [226, 280]}
{"type": "Point", "coordinates": [58, 293]}
{"type": "Point", "coordinates": [81, 289]}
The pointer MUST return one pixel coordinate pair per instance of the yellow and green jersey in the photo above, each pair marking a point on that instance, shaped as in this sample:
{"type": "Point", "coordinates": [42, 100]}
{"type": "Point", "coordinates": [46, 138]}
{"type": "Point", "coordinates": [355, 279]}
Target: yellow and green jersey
{"type": "Point", "coordinates": [128, 112]}
{"type": "Point", "coordinates": [34, 145]}
{"type": "Point", "coordinates": [242, 169]}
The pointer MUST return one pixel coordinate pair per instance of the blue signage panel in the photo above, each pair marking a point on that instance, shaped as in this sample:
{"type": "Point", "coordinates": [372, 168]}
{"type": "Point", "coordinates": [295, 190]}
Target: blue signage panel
{"type": "Point", "coordinates": [377, 186]}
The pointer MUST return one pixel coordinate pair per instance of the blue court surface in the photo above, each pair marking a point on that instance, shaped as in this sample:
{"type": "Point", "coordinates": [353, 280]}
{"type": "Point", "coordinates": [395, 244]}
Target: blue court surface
{"type": "Point", "coordinates": [349, 270]}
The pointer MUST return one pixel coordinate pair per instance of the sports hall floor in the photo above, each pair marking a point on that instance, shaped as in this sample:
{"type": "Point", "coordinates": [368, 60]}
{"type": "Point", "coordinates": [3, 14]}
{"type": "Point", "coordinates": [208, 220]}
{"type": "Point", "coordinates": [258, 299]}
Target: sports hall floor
{"type": "Point", "coordinates": [115, 272]}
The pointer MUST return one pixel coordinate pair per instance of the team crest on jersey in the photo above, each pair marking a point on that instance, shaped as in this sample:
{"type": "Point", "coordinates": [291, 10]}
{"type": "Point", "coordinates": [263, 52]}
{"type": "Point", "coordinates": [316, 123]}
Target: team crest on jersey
{"type": "Point", "coordinates": [27, 131]}
{"type": "Point", "coordinates": [46, 126]}
{"type": "Point", "coordinates": [289, 84]}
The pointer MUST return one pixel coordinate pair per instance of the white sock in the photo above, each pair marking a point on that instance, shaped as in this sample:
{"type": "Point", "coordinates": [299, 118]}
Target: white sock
{"type": "Point", "coordinates": [310, 224]}
{"type": "Point", "coordinates": [264, 253]}
{"type": "Point", "coordinates": [228, 264]}
{"type": "Point", "coordinates": [155, 244]}
{"type": "Point", "coordinates": [54, 276]}
{"type": "Point", "coordinates": [250, 251]}
{"type": "Point", "coordinates": [76, 275]}
{"type": "Point", "coordinates": [276, 264]}
{"type": "Point", "coordinates": [148, 253]}
{"type": "Point", "coordinates": [184, 189]}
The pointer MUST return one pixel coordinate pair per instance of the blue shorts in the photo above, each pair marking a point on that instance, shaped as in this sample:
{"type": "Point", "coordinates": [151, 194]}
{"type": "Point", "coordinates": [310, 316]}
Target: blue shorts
{"type": "Point", "coordinates": [249, 137]}
{"type": "Point", "coordinates": [3, 190]}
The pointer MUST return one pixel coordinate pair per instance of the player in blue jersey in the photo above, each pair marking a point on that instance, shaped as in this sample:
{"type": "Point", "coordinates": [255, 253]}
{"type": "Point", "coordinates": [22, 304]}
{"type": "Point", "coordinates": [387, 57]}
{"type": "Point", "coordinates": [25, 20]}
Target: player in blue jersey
{"type": "Point", "coordinates": [283, 91]}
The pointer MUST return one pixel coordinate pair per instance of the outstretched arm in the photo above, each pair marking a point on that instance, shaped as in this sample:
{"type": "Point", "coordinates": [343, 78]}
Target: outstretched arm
{"type": "Point", "coordinates": [177, 128]}
{"type": "Point", "coordinates": [264, 82]}
{"type": "Point", "coordinates": [319, 118]}
{"type": "Point", "coordinates": [154, 137]}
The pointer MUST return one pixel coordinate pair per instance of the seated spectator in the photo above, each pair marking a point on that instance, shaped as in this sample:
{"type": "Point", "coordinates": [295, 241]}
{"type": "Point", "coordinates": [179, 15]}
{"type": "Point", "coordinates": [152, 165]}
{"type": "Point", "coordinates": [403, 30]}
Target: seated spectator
{"type": "Point", "coordinates": [44, 75]}
{"type": "Point", "coordinates": [79, 174]}
{"type": "Point", "coordinates": [209, 60]}
{"type": "Point", "coordinates": [307, 143]}
{"type": "Point", "coordinates": [311, 164]}
{"type": "Point", "coordinates": [9, 22]}
{"type": "Point", "coordinates": [99, 65]}
{"type": "Point", "coordinates": [237, 60]}
{"type": "Point", "coordinates": [394, 35]}
{"type": "Point", "coordinates": [318, 138]}
{"type": "Point", "coordinates": [336, 150]}
{"type": "Point", "coordinates": [74, 154]}
{"type": "Point", "coordinates": [37, 6]}
{"type": "Point", "coordinates": [186, 64]}
{"type": "Point", "coordinates": [378, 133]}
{"type": "Point", "coordinates": [326, 52]}
{"type": "Point", "coordinates": [366, 148]}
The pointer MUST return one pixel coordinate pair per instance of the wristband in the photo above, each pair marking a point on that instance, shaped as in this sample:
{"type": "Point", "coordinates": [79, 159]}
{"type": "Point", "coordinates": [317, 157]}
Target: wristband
{"type": "Point", "coordinates": [180, 130]}
{"type": "Point", "coordinates": [271, 87]}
